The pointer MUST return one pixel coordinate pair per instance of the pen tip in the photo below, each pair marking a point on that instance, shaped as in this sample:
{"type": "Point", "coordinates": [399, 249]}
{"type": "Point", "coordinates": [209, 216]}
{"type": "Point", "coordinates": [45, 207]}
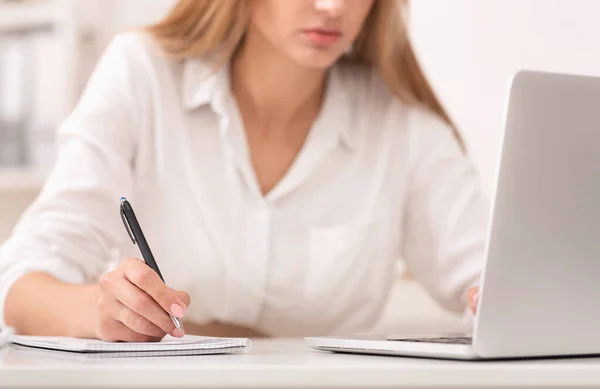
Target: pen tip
{"type": "Point", "coordinates": [123, 199]}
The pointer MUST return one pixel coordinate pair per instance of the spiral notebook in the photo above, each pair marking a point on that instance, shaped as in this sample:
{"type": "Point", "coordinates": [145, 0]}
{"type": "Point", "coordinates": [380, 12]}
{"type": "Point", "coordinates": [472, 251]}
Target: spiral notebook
{"type": "Point", "coordinates": [169, 346]}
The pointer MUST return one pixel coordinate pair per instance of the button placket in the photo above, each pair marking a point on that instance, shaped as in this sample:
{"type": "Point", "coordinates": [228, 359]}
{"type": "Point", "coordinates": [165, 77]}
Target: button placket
{"type": "Point", "coordinates": [255, 264]}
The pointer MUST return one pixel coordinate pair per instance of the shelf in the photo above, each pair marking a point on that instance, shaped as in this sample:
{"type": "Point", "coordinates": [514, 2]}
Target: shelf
{"type": "Point", "coordinates": [25, 16]}
{"type": "Point", "coordinates": [21, 180]}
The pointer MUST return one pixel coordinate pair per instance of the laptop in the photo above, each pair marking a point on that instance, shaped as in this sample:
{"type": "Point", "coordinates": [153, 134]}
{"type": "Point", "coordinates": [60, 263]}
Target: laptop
{"type": "Point", "coordinates": [540, 288]}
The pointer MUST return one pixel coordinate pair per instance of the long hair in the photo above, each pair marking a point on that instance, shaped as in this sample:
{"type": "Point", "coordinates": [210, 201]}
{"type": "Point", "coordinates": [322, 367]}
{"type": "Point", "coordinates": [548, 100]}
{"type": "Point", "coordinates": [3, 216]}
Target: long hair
{"type": "Point", "coordinates": [216, 27]}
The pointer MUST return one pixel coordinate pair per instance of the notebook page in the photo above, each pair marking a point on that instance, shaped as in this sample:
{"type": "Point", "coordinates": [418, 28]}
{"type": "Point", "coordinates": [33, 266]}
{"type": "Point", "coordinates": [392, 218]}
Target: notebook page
{"type": "Point", "coordinates": [168, 344]}
{"type": "Point", "coordinates": [51, 342]}
{"type": "Point", "coordinates": [130, 355]}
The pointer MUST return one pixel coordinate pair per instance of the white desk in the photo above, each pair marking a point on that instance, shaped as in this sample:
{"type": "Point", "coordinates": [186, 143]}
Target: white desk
{"type": "Point", "coordinates": [287, 364]}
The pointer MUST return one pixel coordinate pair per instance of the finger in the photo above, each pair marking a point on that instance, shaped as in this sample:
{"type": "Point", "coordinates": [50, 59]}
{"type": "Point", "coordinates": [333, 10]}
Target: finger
{"type": "Point", "coordinates": [473, 297]}
{"type": "Point", "coordinates": [475, 300]}
{"type": "Point", "coordinates": [136, 322]}
{"type": "Point", "coordinates": [115, 331]}
{"type": "Point", "coordinates": [122, 333]}
{"type": "Point", "coordinates": [142, 276]}
{"type": "Point", "coordinates": [141, 303]}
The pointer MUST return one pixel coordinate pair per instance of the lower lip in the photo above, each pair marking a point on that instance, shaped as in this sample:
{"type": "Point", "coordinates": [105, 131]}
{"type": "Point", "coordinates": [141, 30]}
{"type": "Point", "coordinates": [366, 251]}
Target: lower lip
{"type": "Point", "coordinates": [322, 39]}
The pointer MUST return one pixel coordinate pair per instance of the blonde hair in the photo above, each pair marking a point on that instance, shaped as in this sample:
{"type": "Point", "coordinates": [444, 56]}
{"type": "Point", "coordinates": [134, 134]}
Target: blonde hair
{"type": "Point", "coordinates": [217, 27]}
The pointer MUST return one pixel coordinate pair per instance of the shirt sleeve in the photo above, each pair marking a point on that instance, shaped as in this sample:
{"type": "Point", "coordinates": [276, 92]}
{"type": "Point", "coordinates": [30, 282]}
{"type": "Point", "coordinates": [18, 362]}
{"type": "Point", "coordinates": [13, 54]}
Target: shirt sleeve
{"type": "Point", "coordinates": [71, 227]}
{"type": "Point", "coordinates": [446, 215]}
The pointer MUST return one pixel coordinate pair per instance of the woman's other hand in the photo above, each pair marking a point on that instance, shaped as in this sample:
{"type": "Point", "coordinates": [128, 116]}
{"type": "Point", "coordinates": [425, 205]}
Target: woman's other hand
{"type": "Point", "coordinates": [473, 298]}
{"type": "Point", "coordinates": [134, 305]}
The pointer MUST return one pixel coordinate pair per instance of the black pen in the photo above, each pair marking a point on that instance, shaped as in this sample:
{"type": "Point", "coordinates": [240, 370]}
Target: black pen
{"type": "Point", "coordinates": [137, 236]}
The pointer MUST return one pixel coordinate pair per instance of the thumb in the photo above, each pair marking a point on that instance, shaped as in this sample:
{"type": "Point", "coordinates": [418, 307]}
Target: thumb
{"type": "Point", "coordinates": [185, 298]}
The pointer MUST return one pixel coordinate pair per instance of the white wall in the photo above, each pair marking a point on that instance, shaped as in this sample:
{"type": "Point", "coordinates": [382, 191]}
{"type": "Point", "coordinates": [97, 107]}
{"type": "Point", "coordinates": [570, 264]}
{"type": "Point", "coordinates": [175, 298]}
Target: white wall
{"type": "Point", "coordinates": [470, 49]}
{"type": "Point", "coordinates": [121, 14]}
{"type": "Point", "coordinates": [139, 12]}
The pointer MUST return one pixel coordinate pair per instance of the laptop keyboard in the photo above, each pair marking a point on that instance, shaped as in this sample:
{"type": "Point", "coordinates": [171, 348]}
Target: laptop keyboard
{"type": "Point", "coordinates": [441, 339]}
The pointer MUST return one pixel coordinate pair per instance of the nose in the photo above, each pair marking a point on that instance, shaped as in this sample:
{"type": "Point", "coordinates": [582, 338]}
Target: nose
{"type": "Point", "coordinates": [333, 7]}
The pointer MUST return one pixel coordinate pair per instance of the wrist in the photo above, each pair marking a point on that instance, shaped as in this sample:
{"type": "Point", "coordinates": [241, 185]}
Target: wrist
{"type": "Point", "coordinates": [82, 320]}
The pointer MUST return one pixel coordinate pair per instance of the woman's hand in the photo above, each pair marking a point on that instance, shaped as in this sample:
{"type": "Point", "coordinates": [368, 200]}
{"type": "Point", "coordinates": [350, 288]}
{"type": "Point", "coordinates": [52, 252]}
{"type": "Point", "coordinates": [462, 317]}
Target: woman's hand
{"type": "Point", "coordinates": [134, 305]}
{"type": "Point", "coordinates": [473, 298]}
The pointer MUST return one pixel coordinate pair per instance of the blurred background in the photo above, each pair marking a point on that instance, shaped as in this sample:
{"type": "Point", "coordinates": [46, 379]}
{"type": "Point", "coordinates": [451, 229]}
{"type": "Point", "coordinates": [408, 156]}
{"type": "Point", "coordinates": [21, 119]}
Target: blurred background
{"type": "Point", "coordinates": [469, 49]}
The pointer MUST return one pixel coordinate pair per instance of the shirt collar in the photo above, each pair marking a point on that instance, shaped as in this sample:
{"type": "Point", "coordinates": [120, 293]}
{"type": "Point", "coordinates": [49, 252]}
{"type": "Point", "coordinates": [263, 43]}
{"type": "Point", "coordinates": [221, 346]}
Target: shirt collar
{"type": "Point", "coordinates": [203, 84]}
{"type": "Point", "coordinates": [337, 111]}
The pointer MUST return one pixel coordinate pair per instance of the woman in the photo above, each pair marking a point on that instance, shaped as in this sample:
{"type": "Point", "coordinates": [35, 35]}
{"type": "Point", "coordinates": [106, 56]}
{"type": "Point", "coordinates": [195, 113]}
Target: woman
{"type": "Point", "coordinates": [281, 157]}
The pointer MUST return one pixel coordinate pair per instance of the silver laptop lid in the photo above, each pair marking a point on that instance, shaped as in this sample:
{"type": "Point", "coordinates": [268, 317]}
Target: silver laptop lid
{"type": "Point", "coordinates": [541, 287]}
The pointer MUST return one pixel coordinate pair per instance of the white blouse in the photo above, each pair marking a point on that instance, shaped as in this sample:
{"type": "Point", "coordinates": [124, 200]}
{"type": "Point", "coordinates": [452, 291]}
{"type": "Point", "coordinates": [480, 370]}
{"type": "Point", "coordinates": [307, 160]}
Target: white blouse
{"type": "Point", "coordinates": [375, 183]}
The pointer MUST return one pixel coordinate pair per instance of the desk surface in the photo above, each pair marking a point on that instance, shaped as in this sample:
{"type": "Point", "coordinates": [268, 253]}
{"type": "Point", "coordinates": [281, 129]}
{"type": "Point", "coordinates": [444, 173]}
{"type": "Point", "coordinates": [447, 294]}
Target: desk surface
{"type": "Point", "coordinates": [287, 363]}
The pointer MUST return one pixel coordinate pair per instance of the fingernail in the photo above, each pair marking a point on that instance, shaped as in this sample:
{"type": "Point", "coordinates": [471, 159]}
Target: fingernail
{"type": "Point", "coordinates": [475, 298]}
{"type": "Point", "coordinates": [178, 333]}
{"type": "Point", "coordinates": [178, 310]}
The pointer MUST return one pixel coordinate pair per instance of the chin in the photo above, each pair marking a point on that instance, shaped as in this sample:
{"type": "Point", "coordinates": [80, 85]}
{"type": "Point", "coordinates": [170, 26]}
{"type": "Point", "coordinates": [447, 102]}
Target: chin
{"type": "Point", "coordinates": [318, 60]}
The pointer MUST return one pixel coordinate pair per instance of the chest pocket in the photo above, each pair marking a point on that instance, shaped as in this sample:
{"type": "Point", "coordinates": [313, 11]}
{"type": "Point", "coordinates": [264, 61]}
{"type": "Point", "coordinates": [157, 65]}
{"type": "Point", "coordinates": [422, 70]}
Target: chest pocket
{"type": "Point", "coordinates": [351, 261]}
